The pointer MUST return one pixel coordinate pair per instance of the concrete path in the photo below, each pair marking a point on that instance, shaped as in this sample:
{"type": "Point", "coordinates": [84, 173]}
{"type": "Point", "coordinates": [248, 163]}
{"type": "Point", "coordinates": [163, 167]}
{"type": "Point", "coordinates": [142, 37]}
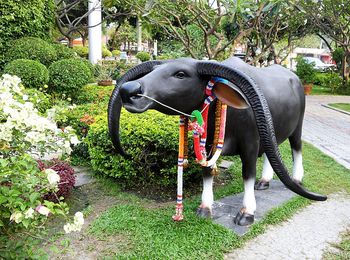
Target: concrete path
{"type": "Point", "coordinates": [304, 236]}
{"type": "Point", "coordinates": [310, 232]}
{"type": "Point", "coordinates": [327, 129]}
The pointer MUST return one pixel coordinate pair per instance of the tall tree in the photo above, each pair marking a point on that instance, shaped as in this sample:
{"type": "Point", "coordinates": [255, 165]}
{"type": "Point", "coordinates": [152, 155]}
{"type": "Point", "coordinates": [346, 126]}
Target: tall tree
{"type": "Point", "coordinates": [332, 18]}
{"type": "Point", "coordinates": [72, 17]}
{"type": "Point", "coordinates": [198, 25]}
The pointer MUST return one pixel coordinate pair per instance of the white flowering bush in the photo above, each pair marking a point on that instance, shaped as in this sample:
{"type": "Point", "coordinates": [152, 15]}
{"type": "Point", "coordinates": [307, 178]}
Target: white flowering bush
{"type": "Point", "coordinates": [22, 129]}
{"type": "Point", "coordinates": [26, 136]}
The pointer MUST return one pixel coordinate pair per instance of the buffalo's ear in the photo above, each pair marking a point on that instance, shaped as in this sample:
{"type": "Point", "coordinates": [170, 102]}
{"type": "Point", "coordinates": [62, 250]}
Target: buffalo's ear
{"type": "Point", "coordinates": [231, 95]}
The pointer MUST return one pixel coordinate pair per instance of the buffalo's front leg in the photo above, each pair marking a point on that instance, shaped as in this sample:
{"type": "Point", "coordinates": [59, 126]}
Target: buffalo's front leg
{"type": "Point", "coordinates": [205, 209]}
{"type": "Point", "coordinates": [245, 216]}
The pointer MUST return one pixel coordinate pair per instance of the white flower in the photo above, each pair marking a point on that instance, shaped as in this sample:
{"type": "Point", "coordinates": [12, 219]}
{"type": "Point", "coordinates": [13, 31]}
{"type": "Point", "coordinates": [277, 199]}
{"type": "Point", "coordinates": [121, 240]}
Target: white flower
{"type": "Point", "coordinates": [52, 176]}
{"type": "Point", "coordinates": [77, 225]}
{"type": "Point", "coordinates": [66, 147]}
{"type": "Point", "coordinates": [25, 97]}
{"type": "Point", "coordinates": [43, 210]}
{"type": "Point", "coordinates": [68, 228]}
{"type": "Point", "coordinates": [74, 140]}
{"type": "Point", "coordinates": [79, 218]}
{"type": "Point", "coordinates": [17, 217]}
{"type": "Point", "coordinates": [29, 213]}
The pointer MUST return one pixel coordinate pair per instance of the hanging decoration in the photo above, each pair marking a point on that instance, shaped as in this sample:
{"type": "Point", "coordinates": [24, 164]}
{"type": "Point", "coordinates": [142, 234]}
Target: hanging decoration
{"type": "Point", "coordinates": [198, 122]}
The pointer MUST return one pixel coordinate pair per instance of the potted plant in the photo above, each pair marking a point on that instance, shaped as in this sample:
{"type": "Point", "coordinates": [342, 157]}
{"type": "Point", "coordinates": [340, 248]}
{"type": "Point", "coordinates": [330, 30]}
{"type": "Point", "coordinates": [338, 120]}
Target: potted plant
{"type": "Point", "coordinates": [306, 72]}
{"type": "Point", "coordinates": [105, 72]}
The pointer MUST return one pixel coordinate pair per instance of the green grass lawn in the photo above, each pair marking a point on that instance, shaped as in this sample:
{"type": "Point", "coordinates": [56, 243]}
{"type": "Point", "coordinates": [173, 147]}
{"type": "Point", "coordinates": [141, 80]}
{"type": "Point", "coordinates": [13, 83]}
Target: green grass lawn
{"type": "Point", "coordinates": [150, 232]}
{"type": "Point", "coordinates": [318, 90]}
{"type": "Point", "coordinates": [342, 106]}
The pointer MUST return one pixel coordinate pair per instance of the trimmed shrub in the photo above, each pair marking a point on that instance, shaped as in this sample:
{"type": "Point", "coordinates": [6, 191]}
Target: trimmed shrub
{"type": "Point", "coordinates": [106, 53]}
{"type": "Point", "coordinates": [151, 139]}
{"type": "Point", "coordinates": [143, 56]}
{"type": "Point", "coordinates": [31, 48]}
{"type": "Point", "coordinates": [81, 51]}
{"type": "Point", "coordinates": [91, 67]}
{"type": "Point", "coordinates": [69, 76]}
{"type": "Point", "coordinates": [32, 73]}
{"type": "Point", "coordinates": [64, 52]}
{"type": "Point", "coordinates": [94, 94]}
{"type": "Point", "coordinates": [41, 101]}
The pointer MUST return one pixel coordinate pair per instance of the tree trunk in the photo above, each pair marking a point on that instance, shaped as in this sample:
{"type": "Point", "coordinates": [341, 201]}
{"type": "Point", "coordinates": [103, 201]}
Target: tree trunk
{"type": "Point", "coordinates": [70, 42]}
{"type": "Point", "coordinates": [83, 39]}
{"type": "Point", "coordinates": [344, 73]}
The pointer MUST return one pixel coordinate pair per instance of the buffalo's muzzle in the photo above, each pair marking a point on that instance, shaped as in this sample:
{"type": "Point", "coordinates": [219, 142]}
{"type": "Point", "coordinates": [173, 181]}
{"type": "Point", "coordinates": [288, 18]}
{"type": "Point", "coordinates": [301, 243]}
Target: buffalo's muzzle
{"type": "Point", "coordinates": [130, 89]}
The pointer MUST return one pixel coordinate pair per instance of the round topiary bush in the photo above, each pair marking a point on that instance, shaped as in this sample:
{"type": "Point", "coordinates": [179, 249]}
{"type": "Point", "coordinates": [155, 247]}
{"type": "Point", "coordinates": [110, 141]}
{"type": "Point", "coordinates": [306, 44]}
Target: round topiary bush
{"type": "Point", "coordinates": [91, 67]}
{"type": "Point", "coordinates": [31, 48]}
{"type": "Point", "coordinates": [32, 73]}
{"type": "Point", "coordinates": [68, 76]}
{"type": "Point", "coordinates": [64, 52]}
{"type": "Point", "coordinates": [143, 56]}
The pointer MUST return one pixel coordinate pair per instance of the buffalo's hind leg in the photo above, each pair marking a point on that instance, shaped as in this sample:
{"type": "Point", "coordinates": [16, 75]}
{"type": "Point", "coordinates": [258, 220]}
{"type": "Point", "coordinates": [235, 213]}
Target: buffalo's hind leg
{"type": "Point", "coordinates": [296, 146]}
{"type": "Point", "coordinates": [205, 209]}
{"type": "Point", "coordinates": [267, 175]}
{"type": "Point", "coordinates": [245, 216]}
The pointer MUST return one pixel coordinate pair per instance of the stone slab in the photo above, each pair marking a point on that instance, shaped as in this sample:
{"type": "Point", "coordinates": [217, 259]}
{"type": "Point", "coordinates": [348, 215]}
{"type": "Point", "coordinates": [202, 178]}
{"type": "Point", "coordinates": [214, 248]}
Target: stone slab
{"type": "Point", "coordinates": [224, 164]}
{"type": "Point", "coordinates": [83, 176]}
{"type": "Point", "coordinates": [225, 210]}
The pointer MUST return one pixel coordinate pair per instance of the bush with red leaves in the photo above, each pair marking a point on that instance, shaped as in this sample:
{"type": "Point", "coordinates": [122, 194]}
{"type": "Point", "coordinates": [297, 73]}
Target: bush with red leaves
{"type": "Point", "coordinates": [67, 178]}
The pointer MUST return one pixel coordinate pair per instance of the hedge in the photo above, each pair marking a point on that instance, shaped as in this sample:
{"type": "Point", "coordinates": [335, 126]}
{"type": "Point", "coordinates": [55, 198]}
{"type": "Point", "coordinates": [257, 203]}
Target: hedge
{"type": "Point", "coordinates": [69, 76]}
{"type": "Point", "coordinates": [32, 73]}
{"type": "Point", "coordinates": [151, 139]}
{"type": "Point", "coordinates": [31, 48]}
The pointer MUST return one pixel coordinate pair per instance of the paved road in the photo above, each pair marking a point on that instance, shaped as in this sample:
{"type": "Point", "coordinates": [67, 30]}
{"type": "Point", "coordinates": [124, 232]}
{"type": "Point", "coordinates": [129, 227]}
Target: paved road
{"type": "Point", "coordinates": [327, 129]}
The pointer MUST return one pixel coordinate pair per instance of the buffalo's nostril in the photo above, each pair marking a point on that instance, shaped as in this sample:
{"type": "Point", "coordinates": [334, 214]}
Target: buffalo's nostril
{"type": "Point", "coordinates": [130, 89]}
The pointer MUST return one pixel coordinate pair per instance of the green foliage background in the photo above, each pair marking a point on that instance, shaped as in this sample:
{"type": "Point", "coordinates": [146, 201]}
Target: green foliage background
{"type": "Point", "coordinates": [24, 18]}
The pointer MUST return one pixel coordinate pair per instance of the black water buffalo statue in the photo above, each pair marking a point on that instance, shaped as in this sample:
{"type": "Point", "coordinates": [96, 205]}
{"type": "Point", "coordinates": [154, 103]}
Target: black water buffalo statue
{"type": "Point", "coordinates": [266, 106]}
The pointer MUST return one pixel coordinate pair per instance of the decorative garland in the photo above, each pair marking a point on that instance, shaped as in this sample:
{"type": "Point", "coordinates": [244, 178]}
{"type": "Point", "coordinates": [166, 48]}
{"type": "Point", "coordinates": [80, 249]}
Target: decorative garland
{"type": "Point", "coordinates": [198, 125]}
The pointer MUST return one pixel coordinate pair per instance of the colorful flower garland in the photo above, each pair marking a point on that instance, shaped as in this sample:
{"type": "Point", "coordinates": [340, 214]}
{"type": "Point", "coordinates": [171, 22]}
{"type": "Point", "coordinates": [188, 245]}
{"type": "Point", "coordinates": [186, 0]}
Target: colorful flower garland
{"type": "Point", "coordinates": [198, 125]}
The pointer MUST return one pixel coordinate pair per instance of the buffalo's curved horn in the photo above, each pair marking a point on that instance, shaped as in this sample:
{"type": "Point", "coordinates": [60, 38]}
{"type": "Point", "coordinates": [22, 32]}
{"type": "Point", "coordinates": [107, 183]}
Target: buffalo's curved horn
{"type": "Point", "coordinates": [115, 103]}
{"type": "Point", "coordinates": [263, 119]}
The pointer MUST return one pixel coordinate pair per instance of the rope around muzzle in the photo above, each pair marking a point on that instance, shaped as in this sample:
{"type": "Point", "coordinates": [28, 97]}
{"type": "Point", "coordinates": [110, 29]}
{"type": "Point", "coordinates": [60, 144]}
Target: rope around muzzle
{"type": "Point", "coordinates": [197, 121]}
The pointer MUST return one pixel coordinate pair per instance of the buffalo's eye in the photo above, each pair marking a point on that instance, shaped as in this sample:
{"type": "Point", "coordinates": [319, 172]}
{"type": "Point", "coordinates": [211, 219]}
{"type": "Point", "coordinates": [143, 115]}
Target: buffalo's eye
{"type": "Point", "coordinates": [180, 75]}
